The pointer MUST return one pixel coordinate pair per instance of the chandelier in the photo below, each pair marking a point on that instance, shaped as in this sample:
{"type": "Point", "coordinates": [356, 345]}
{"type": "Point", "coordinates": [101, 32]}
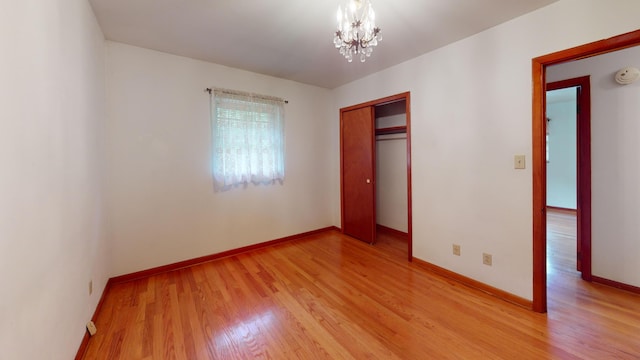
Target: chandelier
{"type": "Point", "coordinates": [357, 32]}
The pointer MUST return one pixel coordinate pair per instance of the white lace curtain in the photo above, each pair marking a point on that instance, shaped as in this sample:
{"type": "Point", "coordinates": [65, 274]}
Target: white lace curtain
{"type": "Point", "coordinates": [248, 139]}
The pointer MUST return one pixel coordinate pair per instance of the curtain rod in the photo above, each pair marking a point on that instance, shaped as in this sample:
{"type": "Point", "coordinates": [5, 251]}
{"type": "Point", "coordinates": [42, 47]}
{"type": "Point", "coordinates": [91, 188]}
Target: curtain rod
{"type": "Point", "coordinates": [210, 90]}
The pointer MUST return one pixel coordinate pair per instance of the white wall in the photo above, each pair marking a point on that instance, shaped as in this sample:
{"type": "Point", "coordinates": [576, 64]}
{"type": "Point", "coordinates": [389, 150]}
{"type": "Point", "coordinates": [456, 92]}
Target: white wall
{"type": "Point", "coordinates": [52, 238]}
{"type": "Point", "coordinates": [391, 175]}
{"type": "Point", "coordinates": [470, 114]}
{"type": "Point", "coordinates": [561, 168]}
{"type": "Point", "coordinates": [615, 163]}
{"type": "Point", "coordinates": [162, 205]}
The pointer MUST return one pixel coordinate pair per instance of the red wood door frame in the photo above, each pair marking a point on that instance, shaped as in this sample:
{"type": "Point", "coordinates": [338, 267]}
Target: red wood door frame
{"type": "Point", "coordinates": [583, 167]}
{"type": "Point", "coordinates": [386, 100]}
{"type": "Point", "coordinates": [539, 66]}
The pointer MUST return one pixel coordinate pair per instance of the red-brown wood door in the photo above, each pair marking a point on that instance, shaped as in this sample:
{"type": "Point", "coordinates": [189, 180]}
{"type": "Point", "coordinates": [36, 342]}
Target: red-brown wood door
{"type": "Point", "coordinates": [357, 140]}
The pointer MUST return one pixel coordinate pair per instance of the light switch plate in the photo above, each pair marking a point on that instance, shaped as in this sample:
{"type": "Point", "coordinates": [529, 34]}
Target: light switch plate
{"type": "Point", "coordinates": [518, 162]}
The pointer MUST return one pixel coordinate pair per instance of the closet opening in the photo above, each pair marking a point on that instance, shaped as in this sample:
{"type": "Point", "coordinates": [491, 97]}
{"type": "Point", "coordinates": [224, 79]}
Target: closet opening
{"type": "Point", "coordinates": [375, 171]}
{"type": "Point", "coordinates": [391, 169]}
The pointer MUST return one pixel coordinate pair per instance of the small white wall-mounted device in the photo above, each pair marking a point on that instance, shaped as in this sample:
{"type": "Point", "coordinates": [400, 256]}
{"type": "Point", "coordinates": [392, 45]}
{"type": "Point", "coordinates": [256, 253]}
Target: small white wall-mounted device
{"type": "Point", "coordinates": [627, 75]}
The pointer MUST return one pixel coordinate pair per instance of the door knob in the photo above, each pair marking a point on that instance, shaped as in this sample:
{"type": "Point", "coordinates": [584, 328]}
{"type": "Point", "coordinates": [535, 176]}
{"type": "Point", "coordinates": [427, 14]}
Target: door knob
{"type": "Point", "coordinates": [368, 181]}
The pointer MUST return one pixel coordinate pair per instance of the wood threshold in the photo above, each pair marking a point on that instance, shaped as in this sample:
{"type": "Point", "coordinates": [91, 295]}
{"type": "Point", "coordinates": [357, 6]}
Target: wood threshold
{"type": "Point", "coordinates": [203, 259]}
{"type": "Point", "coordinates": [393, 232]}
{"type": "Point", "coordinates": [615, 284]}
{"type": "Point", "coordinates": [474, 284]}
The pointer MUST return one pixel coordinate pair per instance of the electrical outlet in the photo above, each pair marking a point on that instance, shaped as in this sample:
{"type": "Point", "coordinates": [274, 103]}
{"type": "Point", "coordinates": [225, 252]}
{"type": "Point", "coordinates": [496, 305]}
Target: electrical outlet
{"type": "Point", "coordinates": [486, 259]}
{"type": "Point", "coordinates": [90, 287]}
{"type": "Point", "coordinates": [91, 328]}
{"type": "Point", "coordinates": [456, 249]}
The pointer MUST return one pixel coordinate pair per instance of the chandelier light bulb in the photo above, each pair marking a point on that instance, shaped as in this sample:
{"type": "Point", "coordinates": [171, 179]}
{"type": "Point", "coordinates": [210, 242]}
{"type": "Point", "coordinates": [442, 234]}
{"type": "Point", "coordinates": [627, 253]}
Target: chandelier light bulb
{"type": "Point", "coordinates": [353, 5]}
{"type": "Point", "coordinates": [357, 32]}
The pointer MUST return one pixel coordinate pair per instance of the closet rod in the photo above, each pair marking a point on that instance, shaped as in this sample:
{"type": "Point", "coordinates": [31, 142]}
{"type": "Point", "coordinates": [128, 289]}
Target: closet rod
{"type": "Point", "coordinates": [393, 138]}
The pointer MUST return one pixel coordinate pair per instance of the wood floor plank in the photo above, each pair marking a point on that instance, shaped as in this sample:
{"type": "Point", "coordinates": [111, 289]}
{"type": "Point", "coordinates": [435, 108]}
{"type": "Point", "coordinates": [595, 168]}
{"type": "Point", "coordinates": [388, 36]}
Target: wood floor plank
{"type": "Point", "coordinates": [329, 296]}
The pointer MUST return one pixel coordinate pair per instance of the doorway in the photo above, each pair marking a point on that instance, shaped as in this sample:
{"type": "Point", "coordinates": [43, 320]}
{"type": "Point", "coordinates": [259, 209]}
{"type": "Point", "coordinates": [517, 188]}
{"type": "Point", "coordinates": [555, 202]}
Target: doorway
{"type": "Point", "coordinates": [575, 146]}
{"type": "Point", "coordinates": [539, 170]}
{"type": "Point", "coordinates": [358, 163]}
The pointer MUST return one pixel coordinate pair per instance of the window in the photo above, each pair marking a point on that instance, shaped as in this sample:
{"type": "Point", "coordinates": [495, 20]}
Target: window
{"type": "Point", "coordinates": [248, 139]}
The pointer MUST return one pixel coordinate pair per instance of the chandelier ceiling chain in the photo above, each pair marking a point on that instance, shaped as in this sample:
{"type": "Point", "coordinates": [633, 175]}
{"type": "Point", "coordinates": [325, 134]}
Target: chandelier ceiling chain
{"type": "Point", "coordinates": [357, 32]}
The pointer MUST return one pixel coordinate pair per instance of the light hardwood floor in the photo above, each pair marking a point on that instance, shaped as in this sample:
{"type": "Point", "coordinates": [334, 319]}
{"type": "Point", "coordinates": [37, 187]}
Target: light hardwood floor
{"type": "Point", "coordinates": [332, 297]}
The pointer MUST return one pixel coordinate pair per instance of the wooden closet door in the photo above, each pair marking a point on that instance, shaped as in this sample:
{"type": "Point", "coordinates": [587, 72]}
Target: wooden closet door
{"type": "Point", "coordinates": [357, 140]}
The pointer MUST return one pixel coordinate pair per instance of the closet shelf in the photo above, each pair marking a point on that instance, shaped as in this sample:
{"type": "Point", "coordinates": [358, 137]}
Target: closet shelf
{"type": "Point", "coordinates": [391, 130]}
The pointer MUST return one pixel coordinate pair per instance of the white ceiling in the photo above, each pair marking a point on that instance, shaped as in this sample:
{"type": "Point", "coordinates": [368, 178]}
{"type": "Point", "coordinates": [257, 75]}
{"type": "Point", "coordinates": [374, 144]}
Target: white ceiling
{"type": "Point", "coordinates": [293, 39]}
